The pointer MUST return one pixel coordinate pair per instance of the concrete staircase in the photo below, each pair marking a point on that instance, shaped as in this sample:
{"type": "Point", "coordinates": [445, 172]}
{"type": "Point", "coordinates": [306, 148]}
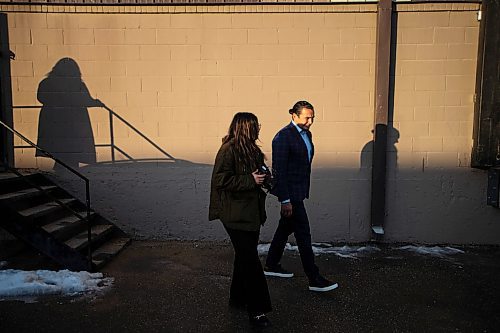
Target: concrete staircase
{"type": "Point", "coordinates": [45, 216]}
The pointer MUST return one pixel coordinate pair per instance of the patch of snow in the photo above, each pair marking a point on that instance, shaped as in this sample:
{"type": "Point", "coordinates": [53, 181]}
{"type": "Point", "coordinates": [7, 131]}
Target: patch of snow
{"type": "Point", "coordinates": [354, 252]}
{"type": "Point", "coordinates": [345, 251]}
{"type": "Point", "coordinates": [435, 251]}
{"type": "Point", "coordinates": [3, 264]}
{"type": "Point", "coordinates": [17, 283]}
{"type": "Point", "coordinates": [262, 249]}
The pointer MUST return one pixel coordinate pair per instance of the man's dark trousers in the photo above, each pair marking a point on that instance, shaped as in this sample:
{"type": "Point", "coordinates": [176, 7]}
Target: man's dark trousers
{"type": "Point", "coordinates": [298, 224]}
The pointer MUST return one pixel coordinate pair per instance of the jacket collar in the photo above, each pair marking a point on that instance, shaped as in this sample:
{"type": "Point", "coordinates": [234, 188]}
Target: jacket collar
{"type": "Point", "coordinates": [293, 128]}
{"type": "Point", "coordinates": [299, 130]}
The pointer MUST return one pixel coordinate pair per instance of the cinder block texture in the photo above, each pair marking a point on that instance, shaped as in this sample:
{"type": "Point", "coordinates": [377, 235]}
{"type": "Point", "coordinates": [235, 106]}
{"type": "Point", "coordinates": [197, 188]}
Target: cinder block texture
{"type": "Point", "coordinates": [435, 76]}
{"type": "Point", "coordinates": [146, 97]}
{"type": "Point", "coordinates": [239, 36]}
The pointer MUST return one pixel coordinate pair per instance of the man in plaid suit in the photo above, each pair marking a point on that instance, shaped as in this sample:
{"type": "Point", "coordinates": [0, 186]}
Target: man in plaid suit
{"type": "Point", "coordinates": [293, 151]}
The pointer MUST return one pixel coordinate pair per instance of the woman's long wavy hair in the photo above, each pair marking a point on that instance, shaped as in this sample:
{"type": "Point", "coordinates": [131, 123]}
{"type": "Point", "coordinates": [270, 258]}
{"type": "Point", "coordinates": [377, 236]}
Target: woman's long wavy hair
{"type": "Point", "coordinates": [244, 129]}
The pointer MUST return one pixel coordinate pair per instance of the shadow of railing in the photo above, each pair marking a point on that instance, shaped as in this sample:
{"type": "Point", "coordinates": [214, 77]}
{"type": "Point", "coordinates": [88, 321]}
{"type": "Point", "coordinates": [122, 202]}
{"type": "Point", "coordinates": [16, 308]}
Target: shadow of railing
{"type": "Point", "coordinates": [112, 116]}
{"type": "Point", "coordinates": [114, 148]}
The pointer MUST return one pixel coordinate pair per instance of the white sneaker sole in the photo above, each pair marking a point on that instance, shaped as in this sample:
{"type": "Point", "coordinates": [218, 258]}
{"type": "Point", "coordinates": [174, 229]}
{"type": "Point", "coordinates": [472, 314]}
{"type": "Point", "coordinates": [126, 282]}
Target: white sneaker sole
{"type": "Point", "coordinates": [333, 286]}
{"type": "Point", "coordinates": [283, 275]}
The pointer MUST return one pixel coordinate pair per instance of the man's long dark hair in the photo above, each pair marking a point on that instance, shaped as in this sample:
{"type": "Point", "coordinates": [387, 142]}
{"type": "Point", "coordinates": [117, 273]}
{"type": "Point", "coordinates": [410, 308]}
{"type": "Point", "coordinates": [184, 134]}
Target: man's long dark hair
{"type": "Point", "coordinates": [244, 129]}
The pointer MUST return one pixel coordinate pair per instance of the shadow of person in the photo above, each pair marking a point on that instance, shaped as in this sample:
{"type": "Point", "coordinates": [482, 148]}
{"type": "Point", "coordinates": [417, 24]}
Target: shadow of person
{"type": "Point", "coordinates": [392, 152]}
{"type": "Point", "coordinates": [64, 128]}
{"type": "Point", "coordinates": [379, 173]}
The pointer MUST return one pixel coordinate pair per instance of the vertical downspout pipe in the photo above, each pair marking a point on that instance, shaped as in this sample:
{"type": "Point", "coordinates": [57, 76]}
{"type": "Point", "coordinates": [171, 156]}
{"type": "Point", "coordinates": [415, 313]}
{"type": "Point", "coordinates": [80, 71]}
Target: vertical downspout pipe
{"type": "Point", "coordinates": [381, 116]}
{"type": "Point", "coordinates": [6, 137]}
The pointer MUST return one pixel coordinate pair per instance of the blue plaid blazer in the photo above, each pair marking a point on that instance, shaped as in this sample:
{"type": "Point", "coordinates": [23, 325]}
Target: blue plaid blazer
{"type": "Point", "coordinates": [291, 165]}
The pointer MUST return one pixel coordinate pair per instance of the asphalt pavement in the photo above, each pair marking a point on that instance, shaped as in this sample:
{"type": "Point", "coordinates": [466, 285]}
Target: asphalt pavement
{"type": "Point", "coordinates": [183, 286]}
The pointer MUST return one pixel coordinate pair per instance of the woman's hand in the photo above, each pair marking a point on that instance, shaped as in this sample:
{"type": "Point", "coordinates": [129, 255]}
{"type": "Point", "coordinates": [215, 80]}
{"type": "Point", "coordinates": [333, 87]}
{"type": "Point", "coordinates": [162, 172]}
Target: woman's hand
{"type": "Point", "coordinates": [259, 178]}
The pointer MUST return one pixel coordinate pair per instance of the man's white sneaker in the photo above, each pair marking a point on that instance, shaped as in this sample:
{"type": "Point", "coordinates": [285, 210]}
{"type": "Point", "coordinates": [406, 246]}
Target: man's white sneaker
{"type": "Point", "coordinates": [277, 271]}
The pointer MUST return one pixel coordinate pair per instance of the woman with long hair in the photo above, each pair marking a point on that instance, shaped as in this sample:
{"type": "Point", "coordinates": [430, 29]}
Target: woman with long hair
{"type": "Point", "coordinates": [237, 199]}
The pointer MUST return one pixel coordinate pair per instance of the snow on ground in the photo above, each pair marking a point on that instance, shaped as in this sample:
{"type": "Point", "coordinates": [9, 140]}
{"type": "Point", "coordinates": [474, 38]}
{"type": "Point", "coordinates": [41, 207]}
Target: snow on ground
{"type": "Point", "coordinates": [435, 251]}
{"type": "Point", "coordinates": [355, 252]}
{"type": "Point", "coordinates": [16, 283]}
{"type": "Point", "coordinates": [325, 248]}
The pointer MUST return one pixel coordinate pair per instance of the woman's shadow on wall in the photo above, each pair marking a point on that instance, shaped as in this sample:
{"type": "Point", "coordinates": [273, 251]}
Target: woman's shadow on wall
{"type": "Point", "coordinates": [64, 127]}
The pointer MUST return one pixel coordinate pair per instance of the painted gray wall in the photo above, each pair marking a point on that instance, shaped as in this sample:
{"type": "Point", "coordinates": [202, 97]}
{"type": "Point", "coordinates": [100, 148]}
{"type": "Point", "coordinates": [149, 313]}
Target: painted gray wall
{"type": "Point", "coordinates": [169, 200]}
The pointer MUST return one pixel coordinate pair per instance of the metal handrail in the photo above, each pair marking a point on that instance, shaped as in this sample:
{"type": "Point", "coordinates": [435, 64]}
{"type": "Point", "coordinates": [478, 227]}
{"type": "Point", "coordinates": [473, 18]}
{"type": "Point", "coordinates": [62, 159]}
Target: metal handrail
{"type": "Point", "coordinates": [87, 187]}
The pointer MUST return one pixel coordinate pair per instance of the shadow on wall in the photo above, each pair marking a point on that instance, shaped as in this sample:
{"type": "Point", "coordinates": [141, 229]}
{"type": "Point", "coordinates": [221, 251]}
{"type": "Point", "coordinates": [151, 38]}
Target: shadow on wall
{"type": "Point", "coordinates": [341, 196]}
{"type": "Point", "coordinates": [64, 127]}
{"type": "Point", "coordinates": [164, 188]}
{"type": "Point", "coordinates": [392, 157]}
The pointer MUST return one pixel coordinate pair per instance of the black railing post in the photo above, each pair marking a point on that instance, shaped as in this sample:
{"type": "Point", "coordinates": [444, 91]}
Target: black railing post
{"type": "Point", "coordinates": [89, 223]}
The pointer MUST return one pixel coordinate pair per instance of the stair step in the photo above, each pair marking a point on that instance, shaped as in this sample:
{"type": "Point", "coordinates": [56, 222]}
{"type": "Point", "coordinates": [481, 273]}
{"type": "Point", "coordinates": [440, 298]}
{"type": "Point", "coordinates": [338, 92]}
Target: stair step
{"type": "Point", "coordinates": [12, 182]}
{"type": "Point", "coordinates": [45, 208]}
{"type": "Point", "coordinates": [108, 250]}
{"type": "Point", "coordinates": [26, 193]}
{"type": "Point", "coordinates": [71, 221]}
{"type": "Point", "coordinates": [80, 241]}
{"type": "Point", "coordinates": [7, 175]}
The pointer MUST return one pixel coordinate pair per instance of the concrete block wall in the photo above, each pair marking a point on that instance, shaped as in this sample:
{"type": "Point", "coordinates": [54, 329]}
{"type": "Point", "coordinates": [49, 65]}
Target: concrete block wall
{"type": "Point", "coordinates": [177, 76]}
{"type": "Point", "coordinates": [434, 195]}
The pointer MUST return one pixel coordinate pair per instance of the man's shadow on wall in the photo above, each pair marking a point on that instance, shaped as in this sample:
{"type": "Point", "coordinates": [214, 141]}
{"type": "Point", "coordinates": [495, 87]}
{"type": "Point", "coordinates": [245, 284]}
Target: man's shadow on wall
{"type": "Point", "coordinates": [366, 157]}
{"type": "Point", "coordinates": [64, 127]}
{"type": "Point", "coordinates": [393, 134]}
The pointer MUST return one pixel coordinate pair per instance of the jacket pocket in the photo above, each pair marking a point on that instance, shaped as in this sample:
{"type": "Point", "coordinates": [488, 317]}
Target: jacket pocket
{"type": "Point", "coordinates": [241, 211]}
{"type": "Point", "coordinates": [238, 210]}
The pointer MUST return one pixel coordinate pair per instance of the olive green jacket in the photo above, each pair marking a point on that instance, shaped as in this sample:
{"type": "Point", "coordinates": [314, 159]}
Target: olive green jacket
{"type": "Point", "coordinates": [235, 199]}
